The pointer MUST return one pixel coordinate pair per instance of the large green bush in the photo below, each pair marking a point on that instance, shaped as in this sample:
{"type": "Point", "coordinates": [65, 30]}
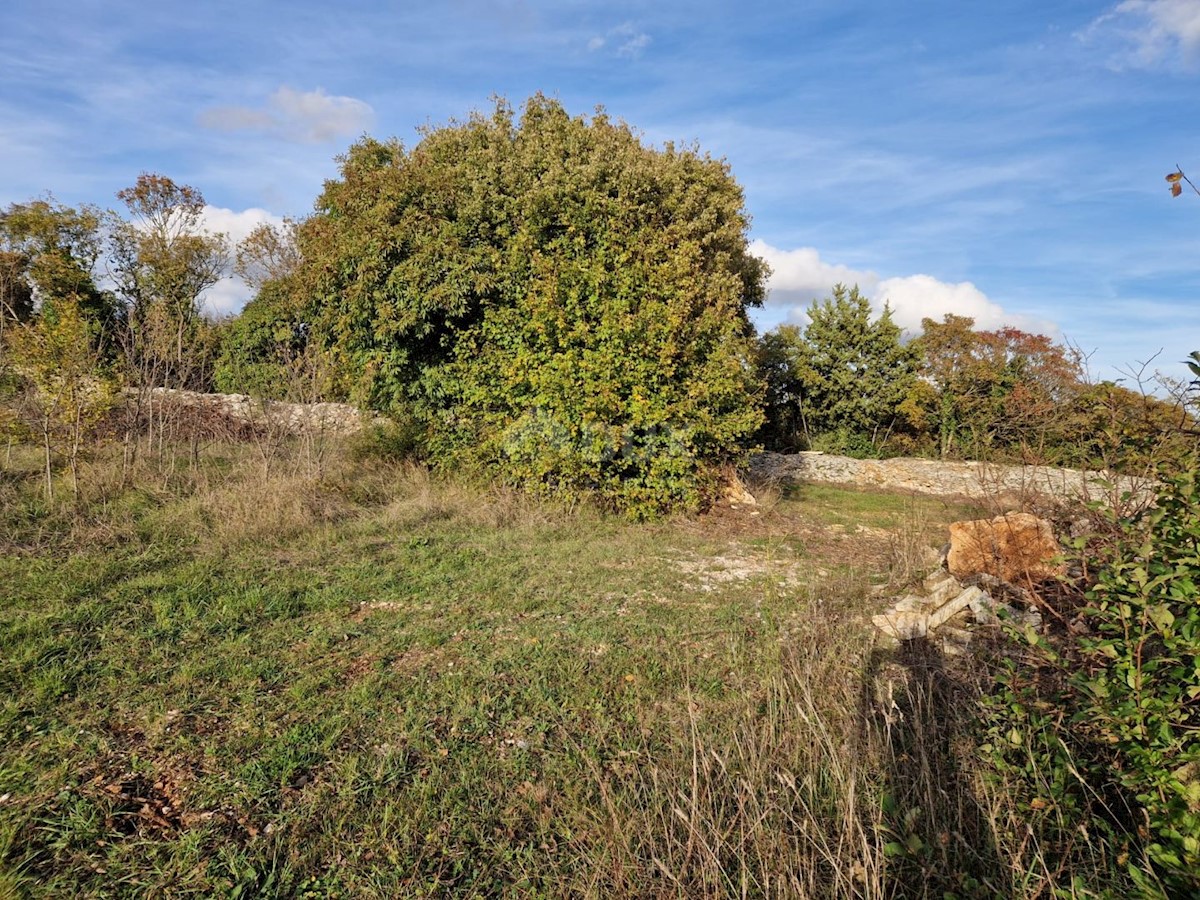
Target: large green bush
{"type": "Point", "coordinates": [256, 345]}
{"type": "Point", "coordinates": [557, 301]}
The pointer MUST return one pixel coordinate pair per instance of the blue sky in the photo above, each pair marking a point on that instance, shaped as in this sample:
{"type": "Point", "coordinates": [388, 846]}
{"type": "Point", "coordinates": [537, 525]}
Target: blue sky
{"type": "Point", "coordinates": [1002, 160]}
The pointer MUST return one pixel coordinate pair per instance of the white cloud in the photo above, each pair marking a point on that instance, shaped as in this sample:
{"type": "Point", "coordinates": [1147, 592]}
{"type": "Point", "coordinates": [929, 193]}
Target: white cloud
{"type": "Point", "coordinates": [303, 116]}
{"type": "Point", "coordinates": [801, 276]}
{"type": "Point", "coordinates": [237, 225]}
{"type": "Point", "coordinates": [230, 294]}
{"type": "Point", "coordinates": [915, 297]}
{"type": "Point", "coordinates": [1148, 33]}
{"type": "Point", "coordinates": [226, 297]}
{"type": "Point", "coordinates": [624, 40]}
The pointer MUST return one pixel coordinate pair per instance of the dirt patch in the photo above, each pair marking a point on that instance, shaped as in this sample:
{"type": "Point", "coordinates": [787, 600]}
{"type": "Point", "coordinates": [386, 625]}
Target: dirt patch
{"type": "Point", "coordinates": [359, 668]}
{"type": "Point", "coordinates": [420, 660]}
{"type": "Point", "coordinates": [737, 565]}
{"type": "Point", "coordinates": [150, 796]}
{"type": "Point", "coordinates": [367, 607]}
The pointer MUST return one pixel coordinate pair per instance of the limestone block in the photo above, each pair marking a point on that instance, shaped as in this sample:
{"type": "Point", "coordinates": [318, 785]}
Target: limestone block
{"type": "Point", "coordinates": [984, 608]}
{"type": "Point", "coordinates": [949, 610]}
{"type": "Point", "coordinates": [1013, 547]}
{"type": "Point", "coordinates": [940, 586]}
{"type": "Point", "coordinates": [912, 603]}
{"type": "Point", "coordinates": [906, 625]}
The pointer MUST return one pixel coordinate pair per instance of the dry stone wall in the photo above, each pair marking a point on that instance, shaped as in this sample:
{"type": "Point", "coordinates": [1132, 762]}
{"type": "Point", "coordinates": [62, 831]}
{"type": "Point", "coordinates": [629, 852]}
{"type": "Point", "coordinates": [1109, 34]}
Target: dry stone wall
{"type": "Point", "coordinates": [921, 476]}
{"type": "Point", "coordinates": [295, 418]}
{"type": "Point", "coordinates": [929, 476]}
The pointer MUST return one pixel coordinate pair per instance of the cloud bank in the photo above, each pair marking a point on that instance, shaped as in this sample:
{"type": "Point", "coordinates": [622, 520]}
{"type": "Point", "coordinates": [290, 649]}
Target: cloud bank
{"type": "Point", "coordinates": [801, 276]}
{"type": "Point", "coordinates": [310, 117]}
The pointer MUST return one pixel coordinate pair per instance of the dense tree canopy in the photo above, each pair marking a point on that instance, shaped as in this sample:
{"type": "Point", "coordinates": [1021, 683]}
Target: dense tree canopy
{"type": "Point", "coordinates": [995, 388]}
{"type": "Point", "coordinates": [550, 296]}
{"type": "Point", "coordinates": [841, 381]}
{"type": "Point", "coordinates": [49, 253]}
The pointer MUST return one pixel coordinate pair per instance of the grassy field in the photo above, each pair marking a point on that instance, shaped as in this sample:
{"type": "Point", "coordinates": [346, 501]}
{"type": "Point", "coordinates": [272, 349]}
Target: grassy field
{"type": "Point", "coordinates": [237, 680]}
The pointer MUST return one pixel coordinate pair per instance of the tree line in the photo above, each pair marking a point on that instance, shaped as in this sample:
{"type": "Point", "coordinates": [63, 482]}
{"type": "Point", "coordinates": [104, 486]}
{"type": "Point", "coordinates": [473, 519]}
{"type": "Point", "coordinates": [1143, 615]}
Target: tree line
{"type": "Point", "coordinates": [851, 382]}
{"type": "Point", "coordinates": [542, 297]}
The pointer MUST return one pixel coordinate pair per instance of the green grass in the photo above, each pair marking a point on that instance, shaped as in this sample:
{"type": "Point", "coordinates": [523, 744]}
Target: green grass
{"type": "Point", "coordinates": [832, 505]}
{"type": "Point", "coordinates": [381, 685]}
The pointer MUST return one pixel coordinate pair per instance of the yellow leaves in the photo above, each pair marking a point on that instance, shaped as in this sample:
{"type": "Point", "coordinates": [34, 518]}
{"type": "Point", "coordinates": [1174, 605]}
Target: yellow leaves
{"type": "Point", "coordinates": [1175, 180]}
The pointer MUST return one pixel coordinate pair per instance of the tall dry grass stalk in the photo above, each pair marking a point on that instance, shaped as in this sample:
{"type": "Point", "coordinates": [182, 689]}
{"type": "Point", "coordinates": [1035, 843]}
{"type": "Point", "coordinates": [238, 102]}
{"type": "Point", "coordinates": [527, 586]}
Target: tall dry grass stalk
{"type": "Point", "coordinates": [912, 549]}
{"type": "Point", "coordinates": [845, 776]}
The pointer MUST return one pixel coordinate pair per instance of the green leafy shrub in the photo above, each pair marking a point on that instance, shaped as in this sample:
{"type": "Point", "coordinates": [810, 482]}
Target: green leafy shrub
{"type": "Point", "coordinates": [845, 442]}
{"type": "Point", "coordinates": [255, 344]}
{"type": "Point", "coordinates": [393, 440]}
{"type": "Point", "coordinates": [557, 302]}
{"type": "Point", "coordinates": [1142, 684]}
{"type": "Point", "coordinates": [1096, 734]}
{"type": "Point", "coordinates": [1059, 819]}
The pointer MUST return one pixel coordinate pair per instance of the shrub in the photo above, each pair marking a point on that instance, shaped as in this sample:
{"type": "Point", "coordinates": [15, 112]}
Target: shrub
{"type": "Point", "coordinates": [1141, 689]}
{"type": "Point", "coordinates": [392, 440]}
{"type": "Point", "coordinates": [1096, 734]}
{"type": "Point", "coordinates": [255, 345]}
{"type": "Point", "coordinates": [558, 302]}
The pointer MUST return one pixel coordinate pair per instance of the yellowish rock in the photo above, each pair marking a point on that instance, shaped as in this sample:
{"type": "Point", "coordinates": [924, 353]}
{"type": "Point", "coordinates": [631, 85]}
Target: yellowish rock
{"type": "Point", "coordinates": [1015, 547]}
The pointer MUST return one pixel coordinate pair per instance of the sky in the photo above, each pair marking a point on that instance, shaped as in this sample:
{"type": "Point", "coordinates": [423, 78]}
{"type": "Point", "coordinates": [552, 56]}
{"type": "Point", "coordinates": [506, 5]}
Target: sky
{"type": "Point", "coordinates": [1004, 160]}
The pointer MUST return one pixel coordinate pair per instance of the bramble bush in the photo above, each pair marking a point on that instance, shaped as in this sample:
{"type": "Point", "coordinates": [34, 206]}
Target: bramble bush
{"type": "Point", "coordinates": [1141, 686]}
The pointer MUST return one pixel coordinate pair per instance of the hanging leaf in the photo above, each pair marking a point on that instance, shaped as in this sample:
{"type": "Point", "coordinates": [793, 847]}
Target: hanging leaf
{"type": "Point", "coordinates": [1176, 189]}
{"type": "Point", "coordinates": [1194, 362]}
{"type": "Point", "coordinates": [1175, 177]}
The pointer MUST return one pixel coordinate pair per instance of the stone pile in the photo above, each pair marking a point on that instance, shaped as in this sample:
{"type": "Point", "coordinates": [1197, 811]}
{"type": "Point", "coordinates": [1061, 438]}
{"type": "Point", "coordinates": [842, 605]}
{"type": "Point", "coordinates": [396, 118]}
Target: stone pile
{"type": "Point", "coordinates": [978, 583]}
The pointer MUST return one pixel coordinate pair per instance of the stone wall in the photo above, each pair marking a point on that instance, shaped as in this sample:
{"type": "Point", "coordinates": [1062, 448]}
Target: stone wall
{"type": "Point", "coordinates": [928, 476]}
{"type": "Point", "coordinates": [921, 476]}
{"type": "Point", "coordinates": [294, 418]}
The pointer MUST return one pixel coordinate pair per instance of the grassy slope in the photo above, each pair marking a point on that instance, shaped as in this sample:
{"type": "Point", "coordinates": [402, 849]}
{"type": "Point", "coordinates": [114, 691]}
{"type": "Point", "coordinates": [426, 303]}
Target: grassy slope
{"type": "Point", "coordinates": [379, 685]}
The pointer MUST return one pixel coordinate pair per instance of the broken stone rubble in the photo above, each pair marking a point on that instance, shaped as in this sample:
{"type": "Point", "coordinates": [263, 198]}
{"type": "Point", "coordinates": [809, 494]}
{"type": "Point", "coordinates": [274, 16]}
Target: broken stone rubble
{"type": "Point", "coordinates": [949, 613]}
{"type": "Point", "coordinates": [957, 596]}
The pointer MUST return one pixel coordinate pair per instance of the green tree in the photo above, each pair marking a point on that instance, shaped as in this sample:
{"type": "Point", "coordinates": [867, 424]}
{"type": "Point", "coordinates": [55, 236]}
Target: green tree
{"type": "Point", "coordinates": [1006, 389]}
{"type": "Point", "coordinates": [50, 251]}
{"type": "Point", "coordinates": [268, 253]}
{"type": "Point", "coordinates": [550, 297]}
{"type": "Point", "coordinates": [16, 293]}
{"type": "Point", "coordinates": [68, 383]}
{"type": "Point", "coordinates": [842, 382]}
{"type": "Point", "coordinates": [256, 347]}
{"type": "Point", "coordinates": [265, 350]}
{"type": "Point", "coordinates": [163, 260]}
{"type": "Point", "coordinates": [783, 362]}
